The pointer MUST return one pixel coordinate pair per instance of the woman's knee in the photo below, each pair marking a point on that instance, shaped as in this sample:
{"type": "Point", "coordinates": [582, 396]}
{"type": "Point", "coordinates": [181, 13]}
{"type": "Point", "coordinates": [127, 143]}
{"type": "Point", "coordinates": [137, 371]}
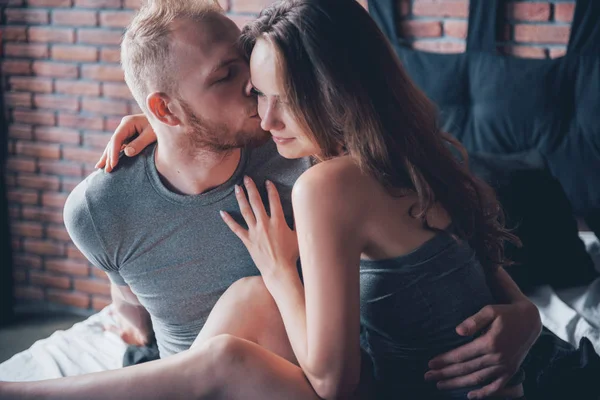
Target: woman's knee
{"type": "Point", "coordinates": [228, 355]}
{"type": "Point", "coordinates": [250, 290]}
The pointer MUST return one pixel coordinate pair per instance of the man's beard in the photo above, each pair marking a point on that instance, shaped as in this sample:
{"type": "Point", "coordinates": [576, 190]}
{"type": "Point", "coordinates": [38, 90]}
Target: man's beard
{"type": "Point", "coordinates": [209, 136]}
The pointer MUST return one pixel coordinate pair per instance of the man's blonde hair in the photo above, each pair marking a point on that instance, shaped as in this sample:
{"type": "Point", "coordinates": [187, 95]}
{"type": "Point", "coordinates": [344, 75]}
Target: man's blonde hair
{"type": "Point", "coordinates": [146, 45]}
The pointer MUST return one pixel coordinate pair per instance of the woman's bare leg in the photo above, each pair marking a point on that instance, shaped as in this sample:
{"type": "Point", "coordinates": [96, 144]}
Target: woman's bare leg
{"type": "Point", "coordinates": [247, 310]}
{"type": "Point", "coordinates": [223, 367]}
{"type": "Point", "coordinates": [209, 369]}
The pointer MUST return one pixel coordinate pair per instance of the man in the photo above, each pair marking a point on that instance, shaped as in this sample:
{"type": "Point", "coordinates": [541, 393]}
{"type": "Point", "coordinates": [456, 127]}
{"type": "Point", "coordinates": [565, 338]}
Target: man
{"type": "Point", "coordinates": [153, 224]}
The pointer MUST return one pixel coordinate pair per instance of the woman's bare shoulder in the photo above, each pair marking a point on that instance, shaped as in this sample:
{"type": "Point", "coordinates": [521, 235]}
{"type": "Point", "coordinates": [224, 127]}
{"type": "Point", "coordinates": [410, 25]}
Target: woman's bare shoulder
{"type": "Point", "coordinates": [332, 183]}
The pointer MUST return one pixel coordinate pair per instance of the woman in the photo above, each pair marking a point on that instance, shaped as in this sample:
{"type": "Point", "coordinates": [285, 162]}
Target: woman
{"type": "Point", "coordinates": [395, 236]}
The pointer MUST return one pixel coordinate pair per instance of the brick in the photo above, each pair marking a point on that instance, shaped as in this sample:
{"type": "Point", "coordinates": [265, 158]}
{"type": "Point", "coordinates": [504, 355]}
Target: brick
{"type": "Point", "coordinates": [116, 19]}
{"type": "Point", "coordinates": [82, 155]}
{"type": "Point", "coordinates": [43, 182]}
{"type": "Point", "coordinates": [99, 274]}
{"type": "Point", "coordinates": [97, 140]}
{"type": "Point", "coordinates": [80, 121]}
{"type": "Point", "coordinates": [457, 29]}
{"type": "Point", "coordinates": [18, 131]}
{"type": "Point", "coordinates": [100, 302]}
{"type": "Point", "coordinates": [249, 6]}
{"type": "Point", "coordinates": [74, 53]}
{"type": "Point", "coordinates": [60, 168]}
{"type": "Point", "coordinates": [404, 7]}
{"type": "Point", "coordinates": [116, 90]}
{"type": "Point", "coordinates": [50, 3]}
{"type": "Point", "coordinates": [135, 108]}
{"type": "Point", "coordinates": [241, 20]}
{"type": "Point", "coordinates": [41, 150]}
{"type": "Point", "coordinates": [14, 164]}
{"type": "Point", "coordinates": [558, 52]}
{"type": "Point", "coordinates": [542, 33]}
{"type": "Point", "coordinates": [444, 9]}
{"type": "Point", "coordinates": [99, 36]}
{"type": "Point", "coordinates": [14, 211]}
{"type": "Point", "coordinates": [92, 286]}
{"type": "Point", "coordinates": [55, 69]}
{"type": "Point", "coordinates": [43, 247]}
{"type": "Point", "coordinates": [27, 229]}
{"type": "Point", "coordinates": [23, 196]}
{"type": "Point", "coordinates": [56, 135]}
{"type": "Point", "coordinates": [26, 50]}
{"type": "Point", "coordinates": [42, 214]}
{"type": "Point", "coordinates": [98, 3]}
{"type": "Point", "coordinates": [56, 102]}
{"type": "Point", "coordinates": [57, 232]}
{"type": "Point", "coordinates": [112, 123]}
{"type": "Point", "coordinates": [15, 244]}
{"type": "Point", "coordinates": [564, 12]}
{"type": "Point", "coordinates": [74, 254]}
{"type": "Point", "coordinates": [77, 87]}
{"type": "Point", "coordinates": [28, 293]}
{"type": "Point", "coordinates": [110, 54]}
{"type": "Point", "coordinates": [68, 184]}
{"type": "Point", "coordinates": [525, 51]}
{"type": "Point", "coordinates": [102, 73]}
{"type": "Point", "coordinates": [27, 261]}
{"type": "Point", "coordinates": [27, 16]}
{"type": "Point", "coordinates": [34, 117]}
{"type": "Point", "coordinates": [16, 67]}
{"type": "Point", "coordinates": [18, 99]}
{"type": "Point", "coordinates": [528, 11]}
{"type": "Point", "coordinates": [20, 276]}
{"type": "Point", "coordinates": [30, 84]}
{"type": "Point", "coordinates": [437, 46]}
{"type": "Point", "coordinates": [54, 200]}
{"type": "Point", "coordinates": [421, 28]}
{"type": "Point", "coordinates": [135, 4]}
{"type": "Point", "coordinates": [69, 298]}
{"type": "Point", "coordinates": [105, 107]}
{"type": "Point", "coordinates": [67, 267]}
{"type": "Point", "coordinates": [51, 35]}
{"type": "Point", "coordinates": [48, 280]}
{"type": "Point", "coordinates": [14, 33]}
{"type": "Point", "coordinates": [75, 17]}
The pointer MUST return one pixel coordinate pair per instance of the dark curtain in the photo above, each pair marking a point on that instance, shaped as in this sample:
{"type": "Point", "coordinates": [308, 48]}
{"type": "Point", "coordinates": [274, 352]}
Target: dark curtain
{"type": "Point", "coordinates": [6, 279]}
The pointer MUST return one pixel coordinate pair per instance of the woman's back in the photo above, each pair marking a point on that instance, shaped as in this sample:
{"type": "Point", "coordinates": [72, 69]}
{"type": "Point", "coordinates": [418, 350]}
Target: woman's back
{"type": "Point", "coordinates": [416, 284]}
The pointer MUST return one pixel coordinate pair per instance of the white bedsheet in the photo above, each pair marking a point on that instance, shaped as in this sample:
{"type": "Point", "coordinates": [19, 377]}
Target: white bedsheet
{"type": "Point", "coordinates": [575, 312]}
{"type": "Point", "coordinates": [89, 347]}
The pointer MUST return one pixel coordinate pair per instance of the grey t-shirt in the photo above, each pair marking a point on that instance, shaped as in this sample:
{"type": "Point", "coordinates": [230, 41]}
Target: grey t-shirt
{"type": "Point", "coordinates": [173, 251]}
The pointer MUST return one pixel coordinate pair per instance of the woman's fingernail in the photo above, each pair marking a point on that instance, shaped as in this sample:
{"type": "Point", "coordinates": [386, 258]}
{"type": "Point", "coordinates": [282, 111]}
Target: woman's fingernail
{"type": "Point", "coordinates": [237, 189]}
{"type": "Point", "coordinates": [269, 183]}
{"type": "Point", "coordinates": [129, 151]}
{"type": "Point", "coordinates": [246, 180]}
{"type": "Point", "coordinates": [222, 213]}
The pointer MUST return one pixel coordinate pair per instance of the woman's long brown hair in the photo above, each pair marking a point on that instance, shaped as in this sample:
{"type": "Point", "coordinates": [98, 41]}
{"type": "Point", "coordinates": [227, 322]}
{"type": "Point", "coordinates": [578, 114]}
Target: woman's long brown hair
{"type": "Point", "coordinates": [346, 86]}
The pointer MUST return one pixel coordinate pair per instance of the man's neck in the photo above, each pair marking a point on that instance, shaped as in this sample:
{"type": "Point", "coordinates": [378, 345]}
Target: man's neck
{"type": "Point", "coordinates": [194, 172]}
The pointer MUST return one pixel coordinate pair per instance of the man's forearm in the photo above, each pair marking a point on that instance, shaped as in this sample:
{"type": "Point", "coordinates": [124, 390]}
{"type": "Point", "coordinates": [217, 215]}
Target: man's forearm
{"type": "Point", "coordinates": [133, 315]}
{"type": "Point", "coordinates": [503, 287]}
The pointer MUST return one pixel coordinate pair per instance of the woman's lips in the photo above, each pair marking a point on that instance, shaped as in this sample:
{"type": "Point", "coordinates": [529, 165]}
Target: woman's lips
{"type": "Point", "coordinates": [281, 140]}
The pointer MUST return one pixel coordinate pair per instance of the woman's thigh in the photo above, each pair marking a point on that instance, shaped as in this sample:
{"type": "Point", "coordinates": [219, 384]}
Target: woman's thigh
{"type": "Point", "coordinates": [247, 310]}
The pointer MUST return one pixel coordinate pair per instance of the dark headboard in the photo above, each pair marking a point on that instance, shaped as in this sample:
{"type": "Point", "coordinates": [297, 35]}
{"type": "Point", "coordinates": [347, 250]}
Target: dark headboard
{"type": "Point", "coordinates": [505, 105]}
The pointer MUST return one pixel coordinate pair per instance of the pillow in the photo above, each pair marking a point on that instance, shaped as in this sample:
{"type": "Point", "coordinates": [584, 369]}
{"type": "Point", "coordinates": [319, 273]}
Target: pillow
{"type": "Point", "coordinates": [540, 214]}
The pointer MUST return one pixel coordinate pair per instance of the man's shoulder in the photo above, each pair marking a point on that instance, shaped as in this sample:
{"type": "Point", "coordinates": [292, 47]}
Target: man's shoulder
{"type": "Point", "coordinates": [101, 188]}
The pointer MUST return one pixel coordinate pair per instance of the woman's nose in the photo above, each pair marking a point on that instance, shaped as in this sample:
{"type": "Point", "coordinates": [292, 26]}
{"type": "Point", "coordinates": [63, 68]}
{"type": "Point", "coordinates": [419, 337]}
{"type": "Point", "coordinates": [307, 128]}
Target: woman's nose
{"type": "Point", "coordinates": [270, 121]}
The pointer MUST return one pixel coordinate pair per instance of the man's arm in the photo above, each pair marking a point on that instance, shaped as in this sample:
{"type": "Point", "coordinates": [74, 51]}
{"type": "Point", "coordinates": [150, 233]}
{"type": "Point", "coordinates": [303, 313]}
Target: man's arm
{"type": "Point", "coordinates": [132, 318]}
{"type": "Point", "coordinates": [130, 315]}
{"type": "Point", "coordinates": [508, 331]}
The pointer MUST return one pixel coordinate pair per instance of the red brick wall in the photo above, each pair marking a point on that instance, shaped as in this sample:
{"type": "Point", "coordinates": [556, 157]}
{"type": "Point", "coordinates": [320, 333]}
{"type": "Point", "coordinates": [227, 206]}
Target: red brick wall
{"type": "Point", "coordinates": [65, 95]}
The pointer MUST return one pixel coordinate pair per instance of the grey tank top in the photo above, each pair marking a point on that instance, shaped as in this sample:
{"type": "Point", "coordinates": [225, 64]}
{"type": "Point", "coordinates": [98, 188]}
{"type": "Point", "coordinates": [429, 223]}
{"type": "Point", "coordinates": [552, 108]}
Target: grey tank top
{"type": "Point", "coordinates": [410, 307]}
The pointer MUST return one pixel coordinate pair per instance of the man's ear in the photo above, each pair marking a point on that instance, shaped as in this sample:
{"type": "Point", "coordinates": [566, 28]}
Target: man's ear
{"type": "Point", "coordinates": [159, 104]}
